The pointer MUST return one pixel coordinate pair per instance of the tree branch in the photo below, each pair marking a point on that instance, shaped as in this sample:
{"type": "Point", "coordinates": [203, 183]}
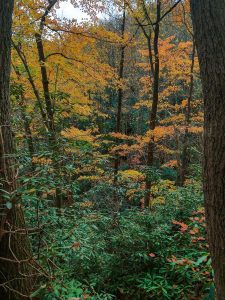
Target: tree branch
{"type": "Point", "coordinates": [168, 11]}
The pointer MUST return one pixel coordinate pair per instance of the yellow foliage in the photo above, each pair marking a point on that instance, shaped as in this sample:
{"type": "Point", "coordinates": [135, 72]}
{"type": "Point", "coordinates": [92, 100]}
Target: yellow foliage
{"type": "Point", "coordinates": [166, 150]}
{"type": "Point", "coordinates": [171, 164]}
{"type": "Point", "coordinates": [158, 191]}
{"type": "Point", "coordinates": [175, 119]}
{"type": "Point", "coordinates": [196, 130]}
{"type": "Point", "coordinates": [132, 175]}
{"type": "Point", "coordinates": [81, 109]}
{"type": "Point", "coordinates": [90, 169]}
{"type": "Point", "coordinates": [184, 103]}
{"type": "Point", "coordinates": [131, 193]}
{"type": "Point", "coordinates": [159, 200]}
{"type": "Point", "coordinates": [65, 114]}
{"type": "Point", "coordinates": [78, 134]}
{"type": "Point", "coordinates": [19, 135]}
{"type": "Point", "coordinates": [125, 149]}
{"type": "Point", "coordinates": [162, 186]}
{"type": "Point", "coordinates": [90, 178]}
{"type": "Point", "coordinates": [41, 160]}
{"type": "Point", "coordinates": [199, 119]}
{"type": "Point", "coordinates": [121, 136]}
{"type": "Point", "coordinates": [142, 103]}
{"type": "Point", "coordinates": [159, 133]}
{"type": "Point", "coordinates": [86, 204]}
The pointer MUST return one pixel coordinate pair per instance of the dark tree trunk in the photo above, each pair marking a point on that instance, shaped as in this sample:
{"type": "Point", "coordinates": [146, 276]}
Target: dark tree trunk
{"type": "Point", "coordinates": [155, 100]}
{"type": "Point", "coordinates": [15, 254]}
{"type": "Point", "coordinates": [31, 80]}
{"type": "Point", "coordinates": [26, 120]}
{"type": "Point", "coordinates": [26, 125]}
{"type": "Point", "coordinates": [54, 145]}
{"type": "Point", "coordinates": [44, 75]}
{"type": "Point", "coordinates": [119, 108]}
{"type": "Point", "coordinates": [120, 90]}
{"type": "Point", "coordinates": [47, 113]}
{"type": "Point", "coordinates": [209, 23]}
{"type": "Point", "coordinates": [45, 85]}
{"type": "Point", "coordinates": [185, 155]}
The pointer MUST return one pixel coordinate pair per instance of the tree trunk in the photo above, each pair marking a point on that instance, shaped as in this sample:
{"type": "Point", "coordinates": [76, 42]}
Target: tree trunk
{"type": "Point", "coordinates": [32, 83]}
{"type": "Point", "coordinates": [27, 129]}
{"type": "Point", "coordinates": [119, 108]}
{"type": "Point", "coordinates": [15, 253]}
{"type": "Point", "coordinates": [45, 85]}
{"type": "Point", "coordinates": [209, 23]}
{"type": "Point", "coordinates": [185, 156]}
{"type": "Point", "coordinates": [120, 90]}
{"type": "Point", "coordinates": [153, 114]}
{"type": "Point", "coordinates": [53, 143]}
{"type": "Point", "coordinates": [26, 122]}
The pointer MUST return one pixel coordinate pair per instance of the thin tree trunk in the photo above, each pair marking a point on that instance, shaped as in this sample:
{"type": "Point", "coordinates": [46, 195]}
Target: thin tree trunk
{"type": "Point", "coordinates": [119, 108]}
{"type": "Point", "coordinates": [47, 113]}
{"type": "Point", "coordinates": [15, 254]}
{"type": "Point", "coordinates": [153, 114]}
{"type": "Point", "coordinates": [209, 23]}
{"type": "Point", "coordinates": [44, 75]}
{"type": "Point", "coordinates": [50, 113]}
{"type": "Point", "coordinates": [32, 83]}
{"type": "Point", "coordinates": [185, 156]}
{"type": "Point", "coordinates": [48, 101]}
{"type": "Point", "coordinates": [26, 123]}
{"type": "Point", "coordinates": [45, 85]}
{"type": "Point", "coordinates": [120, 90]}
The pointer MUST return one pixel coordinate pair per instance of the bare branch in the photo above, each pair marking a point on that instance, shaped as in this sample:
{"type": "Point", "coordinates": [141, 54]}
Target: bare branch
{"type": "Point", "coordinates": [47, 11]}
{"type": "Point", "coordinates": [168, 11]}
{"type": "Point", "coordinates": [30, 79]}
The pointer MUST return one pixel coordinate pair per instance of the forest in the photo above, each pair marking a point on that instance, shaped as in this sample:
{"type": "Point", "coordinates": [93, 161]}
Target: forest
{"type": "Point", "coordinates": [112, 150]}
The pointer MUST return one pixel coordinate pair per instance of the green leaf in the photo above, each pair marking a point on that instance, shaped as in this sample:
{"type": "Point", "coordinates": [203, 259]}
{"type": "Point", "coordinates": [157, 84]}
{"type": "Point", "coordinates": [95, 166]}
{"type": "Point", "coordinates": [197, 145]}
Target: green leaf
{"type": "Point", "coordinates": [211, 295]}
{"type": "Point", "coordinates": [201, 260]}
{"type": "Point", "coordinates": [8, 205]}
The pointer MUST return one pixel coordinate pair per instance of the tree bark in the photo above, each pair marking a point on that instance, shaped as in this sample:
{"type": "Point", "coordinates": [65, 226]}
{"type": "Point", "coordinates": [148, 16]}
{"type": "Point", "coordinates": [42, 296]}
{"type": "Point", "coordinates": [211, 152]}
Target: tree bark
{"type": "Point", "coordinates": [15, 253]}
{"type": "Point", "coordinates": [54, 145]}
{"type": "Point", "coordinates": [32, 83]}
{"type": "Point", "coordinates": [154, 64]}
{"type": "Point", "coordinates": [185, 156]}
{"type": "Point", "coordinates": [26, 124]}
{"type": "Point", "coordinates": [209, 23]}
{"type": "Point", "coordinates": [120, 90]}
{"type": "Point", "coordinates": [119, 109]}
{"type": "Point", "coordinates": [26, 120]}
{"type": "Point", "coordinates": [45, 85]}
{"type": "Point", "coordinates": [44, 75]}
{"type": "Point", "coordinates": [155, 100]}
